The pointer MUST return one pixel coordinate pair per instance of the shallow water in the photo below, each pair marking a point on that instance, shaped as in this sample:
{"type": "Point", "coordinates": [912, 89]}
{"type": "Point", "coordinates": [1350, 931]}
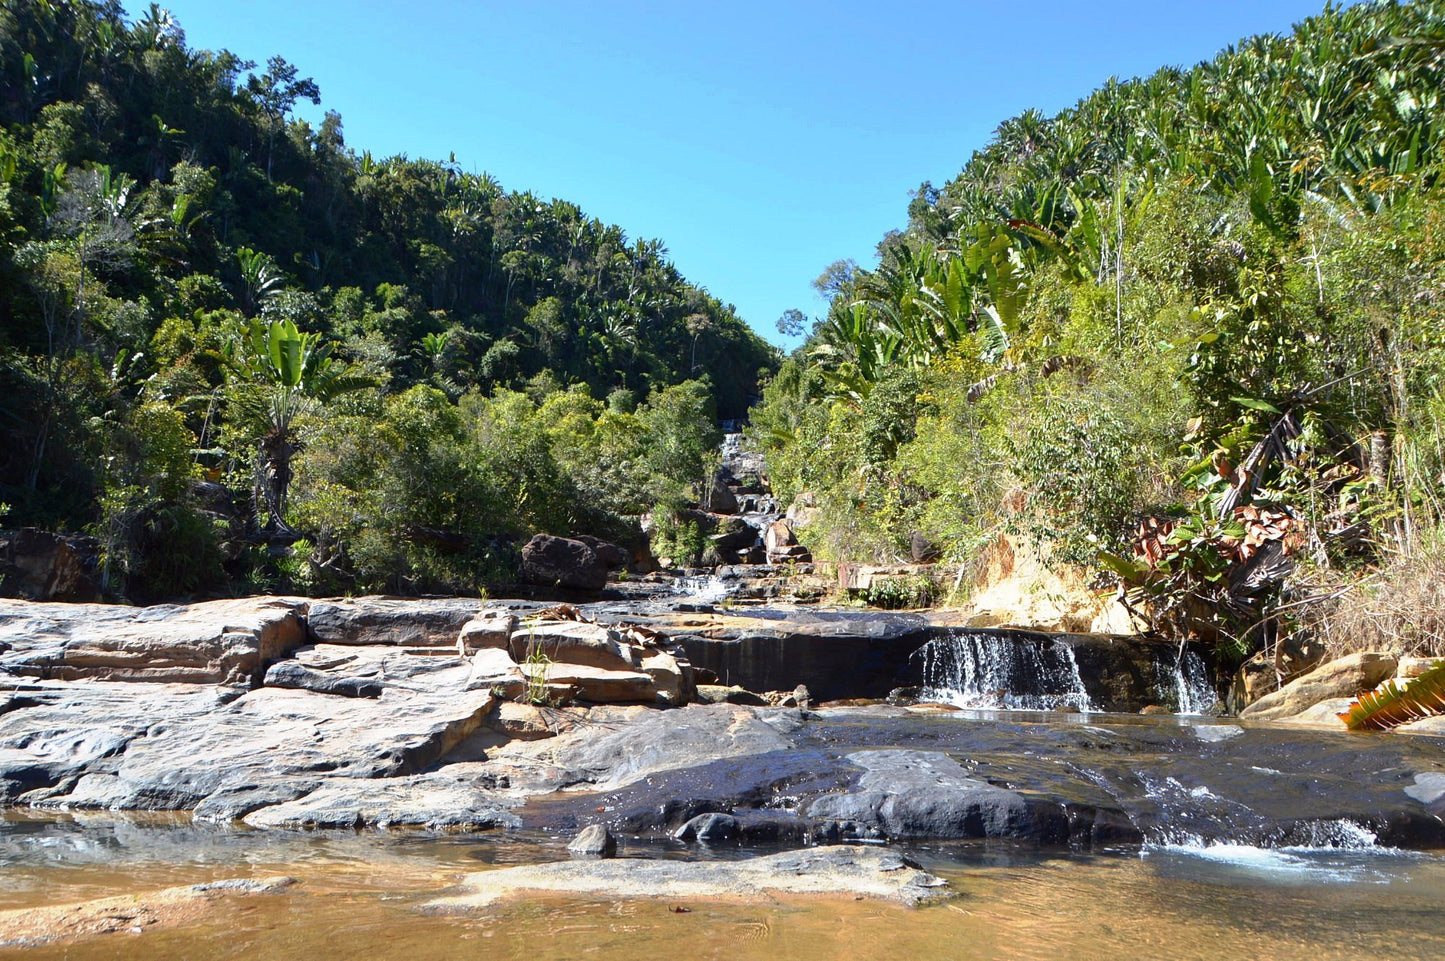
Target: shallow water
{"type": "Point", "coordinates": [362, 895]}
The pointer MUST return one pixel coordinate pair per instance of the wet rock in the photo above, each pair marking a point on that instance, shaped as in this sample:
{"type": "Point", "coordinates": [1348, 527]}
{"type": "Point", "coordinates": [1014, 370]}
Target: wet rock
{"type": "Point", "coordinates": [593, 841]}
{"type": "Point", "coordinates": [391, 621]}
{"type": "Point", "coordinates": [612, 754]}
{"type": "Point", "coordinates": [852, 871]}
{"type": "Point", "coordinates": [214, 642]}
{"type": "Point", "coordinates": [710, 829]}
{"type": "Point", "coordinates": [136, 912]}
{"type": "Point", "coordinates": [562, 562]}
{"type": "Point", "coordinates": [918, 794]}
{"type": "Point", "coordinates": [1344, 677]}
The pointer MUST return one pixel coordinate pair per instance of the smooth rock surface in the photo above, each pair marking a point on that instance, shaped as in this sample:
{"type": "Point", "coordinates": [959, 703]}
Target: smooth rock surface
{"type": "Point", "coordinates": [924, 794]}
{"type": "Point", "coordinates": [593, 841]}
{"type": "Point", "coordinates": [575, 642]}
{"type": "Point", "coordinates": [490, 628]}
{"type": "Point", "coordinates": [840, 870]}
{"type": "Point", "coordinates": [391, 621]}
{"type": "Point", "coordinates": [1344, 677]}
{"type": "Point", "coordinates": [446, 800]}
{"type": "Point", "coordinates": [213, 642]}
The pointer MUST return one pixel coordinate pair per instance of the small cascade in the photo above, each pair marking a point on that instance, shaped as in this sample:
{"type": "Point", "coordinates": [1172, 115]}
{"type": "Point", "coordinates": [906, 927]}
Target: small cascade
{"type": "Point", "coordinates": [978, 669]}
{"type": "Point", "coordinates": [1184, 680]}
{"type": "Point", "coordinates": [708, 589]}
{"type": "Point", "coordinates": [1194, 687]}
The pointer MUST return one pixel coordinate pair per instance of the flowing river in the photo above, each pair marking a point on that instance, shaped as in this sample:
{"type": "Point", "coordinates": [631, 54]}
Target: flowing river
{"type": "Point", "coordinates": [363, 895]}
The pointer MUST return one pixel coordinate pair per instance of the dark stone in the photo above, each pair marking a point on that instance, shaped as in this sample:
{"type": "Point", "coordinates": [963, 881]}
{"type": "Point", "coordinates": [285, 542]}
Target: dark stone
{"type": "Point", "coordinates": [924, 551]}
{"type": "Point", "coordinates": [718, 498]}
{"type": "Point", "coordinates": [293, 675]}
{"type": "Point", "coordinates": [593, 841]}
{"type": "Point", "coordinates": [562, 562]}
{"type": "Point", "coordinates": [613, 555]}
{"type": "Point", "coordinates": [710, 829]}
{"type": "Point", "coordinates": [734, 534]}
{"type": "Point", "coordinates": [40, 565]}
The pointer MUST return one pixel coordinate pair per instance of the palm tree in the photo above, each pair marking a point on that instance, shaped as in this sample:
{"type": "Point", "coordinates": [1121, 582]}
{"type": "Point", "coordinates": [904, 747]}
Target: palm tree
{"type": "Point", "coordinates": [276, 373]}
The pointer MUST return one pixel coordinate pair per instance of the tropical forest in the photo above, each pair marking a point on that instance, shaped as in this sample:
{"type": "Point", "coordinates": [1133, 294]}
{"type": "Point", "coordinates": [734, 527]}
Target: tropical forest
{"type": "Point", "coordinates": [392, 559]}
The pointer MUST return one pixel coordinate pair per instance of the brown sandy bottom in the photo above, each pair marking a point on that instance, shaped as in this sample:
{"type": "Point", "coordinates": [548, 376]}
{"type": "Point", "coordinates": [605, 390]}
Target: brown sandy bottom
{"type": "Point", "coordinates": [1105, 908]}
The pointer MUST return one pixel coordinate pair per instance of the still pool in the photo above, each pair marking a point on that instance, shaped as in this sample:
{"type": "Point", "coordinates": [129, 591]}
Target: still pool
{"type": "Point", "coordinates": [363, 895]}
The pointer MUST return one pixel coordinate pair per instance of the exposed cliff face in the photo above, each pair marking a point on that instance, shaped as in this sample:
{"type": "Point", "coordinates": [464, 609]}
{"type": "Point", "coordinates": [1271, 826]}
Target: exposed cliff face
{"type": "Point", "coordinates": [1013, 585]}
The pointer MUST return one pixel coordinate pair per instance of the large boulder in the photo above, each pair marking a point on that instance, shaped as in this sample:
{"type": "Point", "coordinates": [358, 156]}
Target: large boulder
{"type": "Point", "coordinates": [562, 562]}
{"type": "Point", "coordinates": [734, 534]}
{"type": "Point", "coordinates": [610, 554]}
{"type": "Point", "coordinates": [592, 685]}
{"type": "Point", "coordinates": [718, 498]}
{"type": "Point", "coordinates": [1345, 677]}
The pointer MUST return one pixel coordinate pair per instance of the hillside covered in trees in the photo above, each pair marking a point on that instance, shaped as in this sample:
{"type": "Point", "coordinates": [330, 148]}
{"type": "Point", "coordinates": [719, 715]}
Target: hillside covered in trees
{"type": "Point", "coordinates": [388, 368]}
{"type": "Point", "coordinates": [1189, 332]}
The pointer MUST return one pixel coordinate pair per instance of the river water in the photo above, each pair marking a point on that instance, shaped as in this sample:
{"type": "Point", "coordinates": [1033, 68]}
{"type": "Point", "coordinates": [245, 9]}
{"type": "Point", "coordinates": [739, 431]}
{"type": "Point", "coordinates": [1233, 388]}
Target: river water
{"type": "Point", "coordinates": [362, 895]}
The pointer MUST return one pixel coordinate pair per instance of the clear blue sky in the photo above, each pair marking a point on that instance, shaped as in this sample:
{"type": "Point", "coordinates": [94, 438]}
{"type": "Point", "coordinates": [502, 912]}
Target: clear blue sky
{"type": "Point", "coordinates": [759, 141]}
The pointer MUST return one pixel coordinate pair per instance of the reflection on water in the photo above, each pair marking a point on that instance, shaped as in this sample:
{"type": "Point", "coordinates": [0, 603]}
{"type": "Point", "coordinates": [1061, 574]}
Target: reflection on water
{"type": "Point", "coordinates": [362, 895]}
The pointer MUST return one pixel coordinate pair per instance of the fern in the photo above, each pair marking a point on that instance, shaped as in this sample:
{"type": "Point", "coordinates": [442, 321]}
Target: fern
{"type": "Point", "coordinates": [1394, 704]}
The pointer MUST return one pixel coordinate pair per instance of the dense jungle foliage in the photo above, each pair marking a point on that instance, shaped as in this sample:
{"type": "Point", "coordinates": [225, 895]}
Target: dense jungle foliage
{"type": "Point", "coordinates": [1190, 331]}
{"type": "Point", "coordinates": [233, 348]}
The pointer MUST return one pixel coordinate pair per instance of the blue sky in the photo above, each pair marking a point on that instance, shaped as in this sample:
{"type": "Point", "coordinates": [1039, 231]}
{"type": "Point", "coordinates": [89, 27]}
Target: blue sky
{"type": "Point", "coordinates": [759, 141]}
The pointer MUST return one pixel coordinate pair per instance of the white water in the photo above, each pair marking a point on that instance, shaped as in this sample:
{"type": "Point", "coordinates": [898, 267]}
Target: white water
{"type": "Point", "coordinates": [704, 590]}
{"type": "Point", "coordinates": [1334, 852]}
{"type": "Point", "coordinates": [972, 670]}
{"type": "Point", "coordinates": [1194, 694]}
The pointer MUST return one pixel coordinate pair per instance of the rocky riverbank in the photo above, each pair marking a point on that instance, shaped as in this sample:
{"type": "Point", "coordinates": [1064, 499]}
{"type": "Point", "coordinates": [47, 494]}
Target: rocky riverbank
{"type": "Point", "coordinates": [289, 714]}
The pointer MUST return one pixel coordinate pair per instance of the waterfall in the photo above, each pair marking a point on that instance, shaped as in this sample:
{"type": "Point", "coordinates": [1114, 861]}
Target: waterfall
{"type": "Point", "coordinates": [975, 669]}
{"type": "Point", "coordinates": [1184, 680]}
{"type": "Point", "coordinates": [709, 589]}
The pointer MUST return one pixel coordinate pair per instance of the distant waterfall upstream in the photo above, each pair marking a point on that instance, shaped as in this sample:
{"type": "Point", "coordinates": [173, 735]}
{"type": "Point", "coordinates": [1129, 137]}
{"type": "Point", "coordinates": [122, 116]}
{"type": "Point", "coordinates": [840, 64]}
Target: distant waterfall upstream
{"type": "Point", "coordinates": [975, 669]}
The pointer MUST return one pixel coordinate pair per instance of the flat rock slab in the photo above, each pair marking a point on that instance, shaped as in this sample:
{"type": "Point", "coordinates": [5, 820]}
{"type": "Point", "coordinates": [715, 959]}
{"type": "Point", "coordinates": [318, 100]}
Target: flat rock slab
{"type": "Point", "coordinates": [54, 732]}
{"type": "Point", "coordinates": [394, 621]}
{"type": "Point", "coordinates": [840, 871]}
{"type": "Point", "coordinates": [454, 799]}
{"type": "Point", "coordinates": [214, 642]}
{"type": "Point", "coordinates": [31, 927]}
{"type": "Point", "coordinates": [224, 760]}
